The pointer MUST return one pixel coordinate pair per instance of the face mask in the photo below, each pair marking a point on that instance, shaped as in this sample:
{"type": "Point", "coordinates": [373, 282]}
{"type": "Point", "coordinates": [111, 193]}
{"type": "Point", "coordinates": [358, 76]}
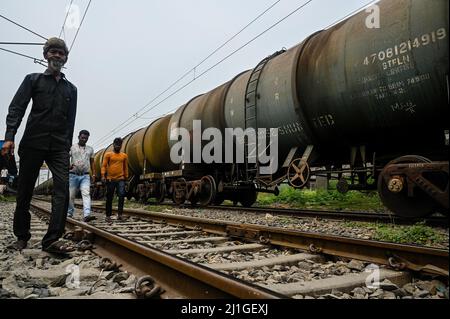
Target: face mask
{"type": "Point", "coordinates": [55, 65]}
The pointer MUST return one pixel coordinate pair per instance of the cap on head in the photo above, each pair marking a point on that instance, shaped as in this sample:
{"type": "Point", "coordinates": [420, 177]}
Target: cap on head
{"type": "Point", "coordinates": [55, 43]}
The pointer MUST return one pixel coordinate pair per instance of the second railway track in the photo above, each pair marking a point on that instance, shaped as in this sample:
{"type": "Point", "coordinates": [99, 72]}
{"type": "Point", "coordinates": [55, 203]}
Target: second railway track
{"type": "Point", "coordinates": [331, 214]}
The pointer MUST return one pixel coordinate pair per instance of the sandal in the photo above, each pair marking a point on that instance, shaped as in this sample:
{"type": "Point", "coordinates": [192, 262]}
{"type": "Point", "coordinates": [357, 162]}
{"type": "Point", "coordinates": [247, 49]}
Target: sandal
{"type": "Point", "coordinates": [89, 218]}
{"type": "Point", "coordinates": [59, 247]}
{"type": "Point", "coordinates": [18, 245]}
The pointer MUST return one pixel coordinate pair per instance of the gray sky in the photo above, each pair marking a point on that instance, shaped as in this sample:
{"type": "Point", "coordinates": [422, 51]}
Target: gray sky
{"type": "Point", "coordinates": [127, 52]}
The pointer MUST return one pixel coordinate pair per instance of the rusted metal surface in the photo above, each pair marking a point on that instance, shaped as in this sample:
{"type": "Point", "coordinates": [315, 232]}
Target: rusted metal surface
{"type": "Point", "coordinates": [209, 108]}
{"type": "Point", "coordinates": [125, 142]}
{"type": "Point", "coordinates": [385, 88]}
{"type": "Point", "coordinates": [148, 150]}
{"type": "Point", "coordinates": [428, 260]}
{"type": "Point", "coordinates": [178, 276]}
{"type": "Point", "coordinates": [97, 163]}
{"type": "Point", "coordinates": [414, 173]}
{"type": "Point", "coordinates": [134, 151]}
{"type": "Point", "coordinates": [156, 147]}
{"type": "Point", "coordinates": [414, 186]}
{"type": "Point", "coordinates": [235, 101]}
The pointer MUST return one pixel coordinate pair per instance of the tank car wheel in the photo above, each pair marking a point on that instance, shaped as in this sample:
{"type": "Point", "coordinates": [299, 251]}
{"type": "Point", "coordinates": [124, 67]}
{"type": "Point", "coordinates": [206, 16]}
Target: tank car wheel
{"type": "Point", "coordinates": [342, 186]}
{"type": "Point", "coordinates": [298, 173]}
{"type": "Point", "coordinates": [208, 191]}
{"type": "Point", "coordinates": [179, 191]}
{"type": "Point", "coordinates": [143, 199]}
{"type": "Point", "coordinates": [193, 200]}
{"type": "Point", "coordinates": [248, 198]}
{"type": "Point", "coordinates": [399, 202]}
{"type": "Point", "coordinates": [219, 199]}
{"type": "Point", "coordinates": [161, 194]}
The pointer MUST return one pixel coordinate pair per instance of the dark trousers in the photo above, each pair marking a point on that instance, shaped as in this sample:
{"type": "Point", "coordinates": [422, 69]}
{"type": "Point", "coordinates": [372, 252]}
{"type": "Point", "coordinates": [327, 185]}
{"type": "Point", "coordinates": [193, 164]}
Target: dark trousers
{"type": "Point", "coordinates": [111, 187]}
{"type": "Point", "coordinates": [31, 161]}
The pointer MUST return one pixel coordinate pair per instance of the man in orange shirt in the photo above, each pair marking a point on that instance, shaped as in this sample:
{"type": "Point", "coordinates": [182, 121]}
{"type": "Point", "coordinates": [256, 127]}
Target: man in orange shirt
{"type": "Point", "coordinates": [114, 174]}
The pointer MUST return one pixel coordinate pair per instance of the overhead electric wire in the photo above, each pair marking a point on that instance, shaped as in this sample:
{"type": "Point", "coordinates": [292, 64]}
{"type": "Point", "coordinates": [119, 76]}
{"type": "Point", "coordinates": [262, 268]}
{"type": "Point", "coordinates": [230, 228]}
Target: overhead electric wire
{"type": "Point", "coordinates": [2, 16]}
{"type": "Point", "coordinates": [65, 19]}
{"type": "Point", "coordinates": [22, 43]}
{"type": "Point", "coordinates": [81, 23]}
{"type": "Point", "coordinates": [36, 60]}
{"type": "Point", "coordinates": [193, 68]}
{"type": "Point", "coordinates": [135, 116]}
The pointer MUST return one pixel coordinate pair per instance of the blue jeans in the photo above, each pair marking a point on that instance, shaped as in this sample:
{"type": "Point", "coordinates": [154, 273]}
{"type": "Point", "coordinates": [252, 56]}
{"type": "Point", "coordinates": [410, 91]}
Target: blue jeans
{"type": "Point", "coordinates": [83, 183]}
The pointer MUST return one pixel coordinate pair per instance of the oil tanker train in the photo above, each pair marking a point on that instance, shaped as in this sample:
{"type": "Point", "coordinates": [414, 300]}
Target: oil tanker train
{"type": "Point", "coordinates": [367, 104]}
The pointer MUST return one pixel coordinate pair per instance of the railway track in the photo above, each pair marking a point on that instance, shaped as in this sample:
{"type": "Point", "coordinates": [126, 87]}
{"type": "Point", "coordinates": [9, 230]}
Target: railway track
{"type": "Point", "coordinates": [179, 249]}
{"type": "Point", "coordinates": [331, 214]}
{"type": "Point", "coordinates": [436, 221]}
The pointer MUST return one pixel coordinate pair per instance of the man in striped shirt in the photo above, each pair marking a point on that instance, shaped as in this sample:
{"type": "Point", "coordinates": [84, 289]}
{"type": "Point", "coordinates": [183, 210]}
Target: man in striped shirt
{"type": "Point", "coordinates": [114, 174]}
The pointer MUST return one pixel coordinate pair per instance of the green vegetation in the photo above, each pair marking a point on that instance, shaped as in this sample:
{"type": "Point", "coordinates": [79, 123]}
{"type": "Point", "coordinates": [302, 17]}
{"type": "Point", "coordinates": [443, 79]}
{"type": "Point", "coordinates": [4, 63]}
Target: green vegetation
{"type": "Point", "coordinates": [415, 234]}
{"type": "Point", "coordinates": [7, 198]}
{"type": "Point", "coordinates": [418, 233]}
{"type": "Point", "coordinates": [153, 207]}
{"type": "Point", "coordinates": [326, 199]}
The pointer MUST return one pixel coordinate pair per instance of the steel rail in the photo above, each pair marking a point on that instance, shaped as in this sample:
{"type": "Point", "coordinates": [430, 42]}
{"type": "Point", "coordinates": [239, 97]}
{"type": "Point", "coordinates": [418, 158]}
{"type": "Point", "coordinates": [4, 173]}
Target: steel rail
{"type": "Point", "coordinates": [317, 213]}
{"type": "Point", "coordinates": [417, 258]}
{"type": "Point", "coordinates": [329, 214]}
{"type": "Point", "coordinates": [175, 274]}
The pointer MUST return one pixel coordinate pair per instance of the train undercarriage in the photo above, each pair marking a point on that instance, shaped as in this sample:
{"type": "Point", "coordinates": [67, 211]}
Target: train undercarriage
{"type": "Point", "coordinates": [409, 186]}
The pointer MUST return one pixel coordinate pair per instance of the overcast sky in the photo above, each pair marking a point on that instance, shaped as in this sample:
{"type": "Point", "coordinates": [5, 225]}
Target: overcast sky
{"type": "Point", "coordinates": [127, 52]}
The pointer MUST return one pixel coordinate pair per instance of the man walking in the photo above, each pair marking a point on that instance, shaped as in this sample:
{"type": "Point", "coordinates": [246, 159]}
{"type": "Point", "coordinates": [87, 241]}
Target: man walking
{"type": "Point", "coordinates": [115, 173]}
{"type": "Point", "coordinates": [81, 162]}
{"type": "Point", "coordinates": [47, 137]}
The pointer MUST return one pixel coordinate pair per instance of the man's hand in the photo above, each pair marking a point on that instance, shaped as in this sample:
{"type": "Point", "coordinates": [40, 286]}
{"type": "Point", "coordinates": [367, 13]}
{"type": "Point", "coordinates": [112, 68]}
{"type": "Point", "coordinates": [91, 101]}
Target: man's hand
{"type": "Point", "coordinates": [8, 148]}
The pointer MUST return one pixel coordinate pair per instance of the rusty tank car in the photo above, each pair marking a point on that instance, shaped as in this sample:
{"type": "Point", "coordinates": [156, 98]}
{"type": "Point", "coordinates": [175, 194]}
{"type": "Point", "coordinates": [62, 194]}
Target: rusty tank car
{"type": "Point", "coordinates": [368, 106]}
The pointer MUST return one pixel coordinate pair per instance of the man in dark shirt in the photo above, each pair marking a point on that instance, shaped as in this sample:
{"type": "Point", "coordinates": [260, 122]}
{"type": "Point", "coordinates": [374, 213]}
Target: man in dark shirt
{"type": "Point", "coordinates": [47, 137]}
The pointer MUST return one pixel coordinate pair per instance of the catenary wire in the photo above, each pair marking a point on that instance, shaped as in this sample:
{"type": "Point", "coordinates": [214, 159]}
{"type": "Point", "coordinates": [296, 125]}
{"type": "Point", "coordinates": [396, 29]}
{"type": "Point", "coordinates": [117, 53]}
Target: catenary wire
{"type": "Point", "coordinates": [65, 19]}
{"type": "Point", "coordinates": [135, 115]}
{"type": "Point", "coordinates": [22, 43]}
{"type": "Point", "coordinates": [81, 23]}
{"type": "Point", "coordinates": [36, 60]}
{"type": "Point", "coordinates": [18, 24]}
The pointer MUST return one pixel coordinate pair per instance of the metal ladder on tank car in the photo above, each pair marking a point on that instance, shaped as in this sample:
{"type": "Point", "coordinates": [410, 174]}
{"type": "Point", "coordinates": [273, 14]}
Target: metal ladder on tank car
{"type": "Point", "coordinates": [250, 115]}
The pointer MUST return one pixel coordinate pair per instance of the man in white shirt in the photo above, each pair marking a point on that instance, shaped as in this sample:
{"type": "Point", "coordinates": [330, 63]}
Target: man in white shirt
{"type": "Point", "coordinates": [81, 162]}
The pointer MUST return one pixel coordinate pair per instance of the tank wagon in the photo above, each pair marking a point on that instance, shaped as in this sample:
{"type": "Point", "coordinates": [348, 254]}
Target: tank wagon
{"type": "Point", "coordinates": [368, 106]}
